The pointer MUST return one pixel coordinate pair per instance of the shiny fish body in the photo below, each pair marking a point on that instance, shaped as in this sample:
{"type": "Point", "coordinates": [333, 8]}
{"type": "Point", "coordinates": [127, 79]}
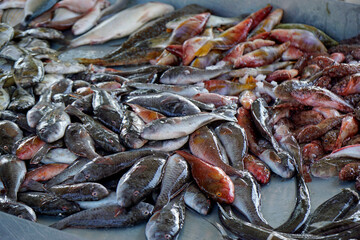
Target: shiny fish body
{"type": "Point", "coordinates": [17, 209]}
{"type": "Point", "coordinates": [6, 34]}
{"type": "Point", "coordinates": [81, 191]}
{"type": "Point", "coordinates": [10, 133]}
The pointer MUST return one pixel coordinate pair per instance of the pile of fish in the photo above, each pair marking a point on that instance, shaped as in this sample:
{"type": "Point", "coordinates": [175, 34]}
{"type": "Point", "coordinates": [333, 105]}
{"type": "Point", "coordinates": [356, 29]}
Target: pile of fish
{"type": "Point", "coordinates": [209, 110]}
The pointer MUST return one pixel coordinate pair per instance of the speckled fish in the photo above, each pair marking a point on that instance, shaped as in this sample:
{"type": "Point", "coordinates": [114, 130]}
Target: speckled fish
{"type": "Point", "coordinates": [234, 140]}
{"type": "Point", "coordinates": [52, 125]}
{"type": "Point", "coordinates": [48, 203]}
{"type": "Point", "coordinates": [212, 180]}
{"type": "Point", "coordinates": [28, 147]}
{"type": "Point", "coordinates": [330, 166]}
{"type": "Point", "coordinates": [176, 175]}
{"type": "Point", "coordinates": [136, 17]}
{"type": "Point", "coordinates": [176, 127]}
{"type": "Point", "coordinates": [103, 167]}
{"type": "Point", "coordinates": [166, 145]}
{"type": "Point", "coordinates": [106, 138]}
{"type": "Point", "coordinates": [59, 155]}
{"type": "Point", "coordinates": [130, 130]}
{"type": "Point", "coordinates": [107, 110]}
{"type": "Point", "coordinates": [6, 34]}
{"type": "Point", "coordinates": [169, 104]}
{"type": "Point", "coordinates": [64, 67]}
{"type": "Point", "coordinates": [10, 133]}
{"type": "Point", "coordinates": [34, 8]}
{"type": "Point", "coordinates": [140, 180]}
{"type": "Point", "coordinates": [17, 209]}
{"type": "Point", "coordinates": [197, 200]}
{"type": "Point", "coordinates": [81, 191]}
{"type": "Point", "coordinates": [188, 75]}
{"type": "Point", "coordinates": [21, 100]}
{"type": "Point", "coordinates": [12, 174]}
{"type": "Point", "coordinates": [79, 141]}
{"type": "Point", "coordinates": [28, 71]}
{"type": "Point", "coordinates": [257, 168]}
{"type": "Point", "coordinates": [167, 223]}
{"type": "Point", "coordinates": [111, 216]}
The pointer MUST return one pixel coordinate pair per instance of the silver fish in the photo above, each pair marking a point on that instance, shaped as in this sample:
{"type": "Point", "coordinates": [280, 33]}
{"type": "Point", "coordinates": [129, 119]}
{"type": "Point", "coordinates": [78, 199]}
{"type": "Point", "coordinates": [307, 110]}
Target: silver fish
{"type": "Point", "coordinates": [214, 21]}
{"type": "Point", "coordinates": [10, 133]}
{"type": "Point", "coordinates": [109, 200]}
{"type": "Point", "coordinates": [12, 52]}
{"type": "Point", "coordinates": [197, 200]}
{"type": "Point", "coordinates": [64, 67]}
{"type": "Point", "coordinates": [166, 145]}
{"type": "Point", "coordinates": [59, 155]}
{"type": "Point", "coordinates": [34, 8]}
{"type": "Point", "coordinates": [34, 115]}
{"type": "Point", "coordinates": [28, 71]}
{"type": "Point", "coordinates": [21, 100]}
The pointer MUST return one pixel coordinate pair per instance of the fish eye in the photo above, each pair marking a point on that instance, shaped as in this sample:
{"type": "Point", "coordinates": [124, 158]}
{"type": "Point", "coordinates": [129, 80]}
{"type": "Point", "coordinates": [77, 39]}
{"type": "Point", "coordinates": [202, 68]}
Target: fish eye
{"type": "Point", "coordinates": [21, 216]}
{"type": "Point", "coordinates": [87, 176]}
{"type": "Point", "coordinates": [6, 148]}
{"type": "Point", "coordinates": [136, 193]}
{"type": "Point", "coordinates": [64, 208]}
{"type": "Point", "coordinates": [94, 194]}
{"type": "Point", "coordinates": [146, 212]}
{"type": "Point", "coordinates": [167, 236]}
{"type": "Point", "coordinates": [219, 194]}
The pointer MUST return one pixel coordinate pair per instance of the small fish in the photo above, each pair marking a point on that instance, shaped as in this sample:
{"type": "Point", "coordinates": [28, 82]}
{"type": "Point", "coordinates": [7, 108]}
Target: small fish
{"type": "Point", "coordinates": [349, 172]}
{"type": "Point", "coordinates": [227, 88]}
{"type": "Point", "coordinates": [80, 6]}
{"type": "Point", "coordinates": [10, 133]}
{"type": "Point", "coordinates": [145, 114]}
{"type": "Point", "coordinates": [330, 166]}
{"type": "Point", "coordinates": [48, 203]}
{"type": "Point", "coordinates": [176, 175]}
{"type": "Point", "coordinates": [341, 70]}
{"type": "Point", "coordinates": [43, 33]}
{"type": "Point", "coordinates": [214, 21]}
{"type": "Point", "coordinates": [28, 71]}
{"type": "Point", "coordinates": [197, 200]}
{"type": "Point", "coordinates": [348, 85]}
{"type": "Point", "coordinates": [136, 17]}
{"type": "Point", "coordinates": [13, 16]}
{"type": "Point", "coordinates": [167, 223]}
{"type": "Point", "coordinates": [349, 128]}
{"type": "Point", "coordinates": [216, 99]}
{"type": "Point", "coordinates": [257, 168]}
{"type": "Point", "coordinates": [17, 118]}
{"type": "Point", "coordinates": [268, 23]}
{"type": "Point", "coordinates": [17, 209]}
{"type": "Point", "coordinates": [28, 147]}
{"type": "Point", "coordinates": [140, 180]}
{"type": "Point", "coordinates": [59, 155]}
{"type": "Point", "coordinates": [166, 145]}
{"type": "Point", "coordinates": [81, 191]}
{"type": "Point", "coordinates": [64, 67]}
{"type": "Point", "coordinates": [130, 130]}
{"type": "Point", "coordinates": [43, 151]}
{"type": "Point", "coordinates": [107, 201]}
{"type": "Point", "coordinates": [21, 100]}
{"type": "Point", "coordinates": [111, 216]}
{"type": "Point", "coordinates": [35, 8]}
{"type": "Point", "coordinates": [12, 174]}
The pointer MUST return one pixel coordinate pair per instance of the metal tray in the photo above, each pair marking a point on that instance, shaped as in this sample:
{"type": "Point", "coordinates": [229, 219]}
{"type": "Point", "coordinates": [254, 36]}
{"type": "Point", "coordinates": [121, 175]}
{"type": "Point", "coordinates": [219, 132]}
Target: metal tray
{"type": "Point", "coordinates": [338, 19]}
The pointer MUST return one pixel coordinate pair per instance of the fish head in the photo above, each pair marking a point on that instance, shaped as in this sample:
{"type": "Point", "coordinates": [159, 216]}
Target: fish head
{"type": "Point", "coordinates": [99, 192]}
{"type": "Point", "coordinates": [146, 209]}
{"type": "Point", "coordinates": [127, 196]}
{"type": "Point", "coordinates": [84, 175]}
{"type": "Point", "coordinates": [222, 190]}
{"type": "Point", "coordinates": [160, 231]}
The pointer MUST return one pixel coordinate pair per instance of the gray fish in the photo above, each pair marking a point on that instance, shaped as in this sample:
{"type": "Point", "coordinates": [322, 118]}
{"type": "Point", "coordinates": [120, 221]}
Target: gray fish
{"type": "Point", "coordinates": [176, 175]}
{"type": "Point", "coordinates": [107, 110]}
{"type": "Point", "coordinates": [81, 191]}
{"type": "Point", "coordinates": [107, 201]}
{"type": "Point", "coordinates": [10, 133]}
{"type": "Point", "coordinates": [84, 104]}
{"type": "Point", "coordinates": [28, 71]}
{"type": "Point", "coordinates": [140, 180]}
{"type": "Point", "coordinates": [59, 155]}
{"type": "Point", "coordinates": [34, 8]}
{"type": "Point", "coordinates": [21, 100]}
{"type": "Point", "coordinates": [18, 118]}
{"type": "Point", "coordinates": [102, 167]}
{"type": "Point", "coordinates": [12, 52]}
{"type": "Point", "coordinates": [176, 127]}
{"type": "Point", "coordinates": [34, 115]}
{"type": "Point", "coordinates": [169, 104]}
{"type": "Point", "coordinates": [52, 125]}
{"type": "Point", "coordinates": [48, 203]}
{"type": "Point", "coordinates": [64, 67]}
{"type": "Point", "coordinates": [29, 42]}
{"type": "Point", "coordinates": [17, 209]}
{"type": "Point", "coordinates": [167, 223]}
{"type": "Point", "coordinates": [44, 85]}
{"type": "Point", "coordinates": [64, 85]}
{"type": "Point", "coordinates": [111, 216]}
{"type": "Point", "coordinates": [12, 174]}
{"type": "Point", "coordinates": [234, 140]}
{"type": "Point", "coordinates": [4, 99]}
{"type": "Point", "coordinates": [79, 141]}
{"type": "Point", "coordinates": [189, 75]}
{"type": "Point", "coordinates": [6, 34]}
{"type": "Point", "coordinates": [166, 145]}
{"type": "Point", "coordinates": [43, 151]}
{"type": "Point", "coordinates": [130, 130]}
{"type": "Point", "coordinates": [197, 200]}
{"type": "Point", "coordinates": [103, 136]}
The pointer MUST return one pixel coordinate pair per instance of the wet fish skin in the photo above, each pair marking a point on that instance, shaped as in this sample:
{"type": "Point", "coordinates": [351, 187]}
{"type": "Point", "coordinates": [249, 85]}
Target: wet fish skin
{"type": "Point", "coordinates": [79, 141]}
{"type": "Point", "coordinates": [80, 191]}
{"type": "Point", "coordinates": [40, 154]}
{"type": "Point", "coordinates": [52, 125]}
{"type": "Point", "coordinates": [34, 115]}
{"type": "Point", "coordinates": [64, 67]}
{"type": "Point", "coordinates": [115, 7]}
{"type": "Point", "coordinates": [176, 175]}
{"type": "Point", "coordinates": [330, 166]}
{"type": "Point", "coordinates": [28, 71]}
{"type": "Point", "coordinates": [18, 118]}
{"type": "Point", "coordinates": [59, 155]}
{"type": "Point", "coordinates": [130, 130]}
{"type": "Point", "coordinates": [48, 204]}
{"type": "Point", "coordinates": [167, 223]}
{"type": "Point", "coordinates": [107, 201]}
{"type": "Point", "coordinates": [12, 174]}
{"type": "Point", "coordinates": [34, 8]}
{"type": "Point", "coordinates": [10, 133]}
{"type": "Point", "coordinates": [140, 180]}
{"type": "Point", "coordinates": [166, 145]}
{"type": "Point", "coordinates": [104, 137]}
{"type": "Point", "coordinates": [111, 216]}
{"type": "Point", "coordinates": [28, 147]}
{"type": "Point", "coordinates": [21, 100]}
{"type": "Point", "coordinates": [17, 209]}
{"type": "Point", "coordinates": [197, 200]}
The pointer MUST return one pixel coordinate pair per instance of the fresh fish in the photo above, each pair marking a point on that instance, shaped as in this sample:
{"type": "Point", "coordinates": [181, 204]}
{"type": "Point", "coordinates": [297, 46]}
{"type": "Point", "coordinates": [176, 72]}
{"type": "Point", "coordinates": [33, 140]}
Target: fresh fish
{"type": "Point", "coordinates": [59, 155]}
{"type": "Point", "coordinates": [111, 216]}
{"type": "Point", "coordinates": [4, 98]}
{"type": "Point", "coordinates": [349, 128]}
{"type": "Point", "coordinates": [100, 168]}
{"type": "Point", "coordinates": [12, 4]}
{"type": "Point", "coordinates": [169, 104]}
{"type": "Point", "coordinates": [268, 23]}
{"type": "Point", "coordinates": [17, 209]}
{"type": "Point", "coordinates": [41, 153]}
{"type": "Point", "coordinates": [10, 133]}
{"type": "Point", "coordinates": [214, 21]}
{"type": "Point", "coordinates": [107, 201]}
{"type": "Point", "coordinates": [130, 130]}
{"type": "Point", "coordinates": [117, 6]}
{"type": "Point", "coordinates": [257, 168]}
{"type": "Point", "coordinates": [226, 87]}
{"type": "Point", "coordinates": [34, 8]}
{"type": "Point", "coordinates": [81, 191]}
{"type": "Point", "coordinates": [28, 147]}
{"type": "Point", "coordinates": [6, 34]}
{"type": "Point", "coordinates": [28, 71]}
{"type": "Point", "coordinates": [21, 100]}
{"type": "Point", "coordinates": [79, 141]}
{"type": "Point", "coordinates": [61, 14]}
{"type": "Point", "coordinates": [234, 139]}
{"type": "Point", "coordinates": [59, 25]}
{"type": "Point", "coordinates": [43, 33]}
{"type": "Point", "coordinates": [140, 180]}
{"type": "Point", "coordinates": [334, 208]}
{"type": "Point", "coordinates": [64, 67]}
{"type": "Point", "coordinates": [330, 166]}
{"type": "Point", "coordinates": [176, 127]}
{"type": "Point", "coordinates": [166, 145]}
{"type": "Point", "coordinates": [216, 99]}
{"type": "Point", "coordinates": [44, 85]}
{"type": "Point", "coordinates": [34, 115]}
{"type": "Point", "coordinates": [349, 172]}
{"type": "Point", "coordinates": [188, 75]}
{"type": "Point", "coordinates": [17, 118]}
{"type": "Point", "coordinates": [197, 200]}
{"type": "Point", "coordinates": [48, 203]}
{"type": "Point", "coordinates": [52, 125]}
{"type": "Point", "coordinates": [176, 175]}
{"type": "Point", "coordinates": [80, 6]}
{"type": "Point", "coordinates": [212, 180]}
{"type": "Point", "coordinates": [104, 137]}
{"type": "Point", "coordinates": [167, 223]}
{"type": "Point", "coordinates": [136, 17]}
{"type": "Point", "coordinates": [107, 110]}
{"type": "Point", "coordinates": [145, 114]}
{"type": "Point", "coordinates": [12, 174]}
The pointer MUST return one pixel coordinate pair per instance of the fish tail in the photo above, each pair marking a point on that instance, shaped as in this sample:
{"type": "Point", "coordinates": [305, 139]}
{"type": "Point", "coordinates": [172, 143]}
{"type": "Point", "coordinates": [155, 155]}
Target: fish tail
{"type": "Point", "coordinates": [59, 225]}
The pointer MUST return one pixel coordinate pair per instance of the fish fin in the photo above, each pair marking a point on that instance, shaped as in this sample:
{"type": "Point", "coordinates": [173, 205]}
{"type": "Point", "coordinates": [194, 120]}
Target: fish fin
{"type": "Point", "coordinates": [175, 49]}
{"type": "Point", "coordinates": [205, 49]}
{"type": "Point", "coordinates": [118, 212]}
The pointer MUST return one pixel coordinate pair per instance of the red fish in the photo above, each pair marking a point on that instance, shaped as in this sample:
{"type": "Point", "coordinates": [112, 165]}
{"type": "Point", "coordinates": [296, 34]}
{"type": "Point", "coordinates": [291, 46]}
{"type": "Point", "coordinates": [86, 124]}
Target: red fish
{"type": "Point", "coordinates": [44, 173]}
{"type": "Point", "coordinates": [259, 16]}
{"type": "Point", "coordinates": [225, 87]}
{"type": "Point", "coordinates": [349, 128]}
{"type": "Point", "coordinates": [348, 85]}
{"type": "Point", "coordinates": [29, 147]}
{"type": "Point", "coordinates": [145, 114]}
{"type": "Point", "coordinates": [282, 75]}
{"type": "Point", "coordinates": [268, 23]}
{"type": "Point", "coordinates": [350, 172]}
{"type": "Point", "coordinates": [257, 168]}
